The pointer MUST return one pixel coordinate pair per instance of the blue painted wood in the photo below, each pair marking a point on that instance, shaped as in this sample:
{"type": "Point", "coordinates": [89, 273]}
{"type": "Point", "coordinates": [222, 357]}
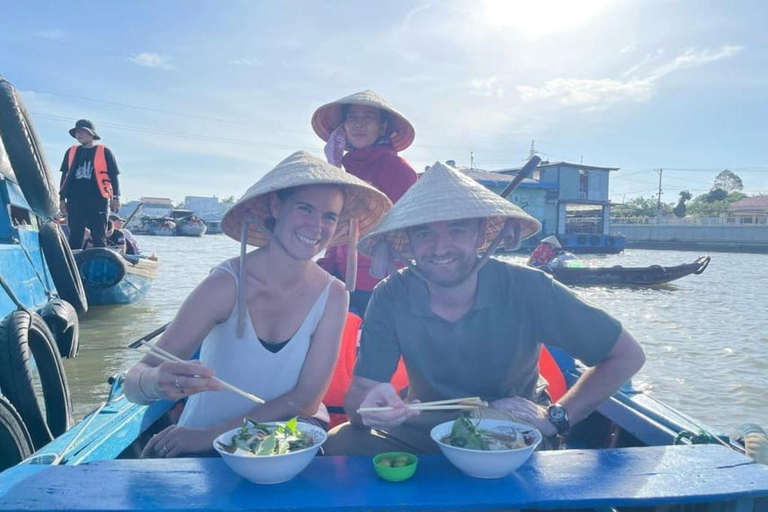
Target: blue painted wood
{"type": "Point", "coordinates": [564, 479]}
{"type": "Point", "coordinates": [109, 278]}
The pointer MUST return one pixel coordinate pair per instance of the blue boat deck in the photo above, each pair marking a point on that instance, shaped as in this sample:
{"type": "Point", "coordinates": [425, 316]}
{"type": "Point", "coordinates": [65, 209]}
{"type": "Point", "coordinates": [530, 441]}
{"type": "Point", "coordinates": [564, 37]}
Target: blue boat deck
{"type": "Point", "coordinates": [628, 477]}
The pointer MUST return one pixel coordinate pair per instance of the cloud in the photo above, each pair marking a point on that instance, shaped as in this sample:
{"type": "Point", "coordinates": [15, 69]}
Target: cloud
{"type": "Point", "coordinates": [636, 85]}
{"type": "Point", "coordinates": [589, 94]}
{"type": "Point", "coordinates": [629, 48]}
{"type": "Point", "coordinates": [249, 63]}
{"type": "Point", "coordinates": [53, 35]}
{"type": "Point", "coordinates": [151, 60]}
{"type": "Point", "coordinates": [487, 87]}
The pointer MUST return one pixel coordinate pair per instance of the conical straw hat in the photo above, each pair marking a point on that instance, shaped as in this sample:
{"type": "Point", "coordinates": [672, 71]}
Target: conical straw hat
{"type": "Point", "coordinates": [552, 240]}
{"type": "Point", "coordinates": [444, 193]}
{"type": "Point", "coordinates": [362, 201]}
{"type": "Point", "coordinates": [328, 117]}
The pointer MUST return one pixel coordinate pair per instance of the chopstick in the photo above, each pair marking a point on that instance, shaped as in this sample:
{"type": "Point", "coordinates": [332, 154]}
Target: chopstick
{"type": "Point", "coordinates": [455, 404]}
{"type": "Point", "coordinates": [167, 356]}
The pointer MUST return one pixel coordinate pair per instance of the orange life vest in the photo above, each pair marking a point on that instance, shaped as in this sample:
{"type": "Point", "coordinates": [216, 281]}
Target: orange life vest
{"type": "Point", "coordinates": [99, 169]}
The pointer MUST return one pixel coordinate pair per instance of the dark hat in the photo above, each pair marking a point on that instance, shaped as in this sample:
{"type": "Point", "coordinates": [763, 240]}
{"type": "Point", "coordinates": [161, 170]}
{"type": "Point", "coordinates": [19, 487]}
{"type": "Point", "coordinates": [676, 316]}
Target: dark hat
{"type": "Point", "coordinates": [114, 216]}
{"type": "Point", "coordinates": [85, 124]}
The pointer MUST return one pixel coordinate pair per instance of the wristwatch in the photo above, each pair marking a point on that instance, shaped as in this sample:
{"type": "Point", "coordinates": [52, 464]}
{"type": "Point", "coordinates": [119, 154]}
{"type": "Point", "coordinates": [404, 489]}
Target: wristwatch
{"type": "Point", "coordinates": [558, 416]}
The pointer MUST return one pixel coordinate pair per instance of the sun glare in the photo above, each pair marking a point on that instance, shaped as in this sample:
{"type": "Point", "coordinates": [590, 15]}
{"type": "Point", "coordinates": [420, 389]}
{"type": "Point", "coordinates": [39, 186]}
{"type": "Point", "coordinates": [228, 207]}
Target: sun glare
{"type": "Point", "coordinates": [542, 16]}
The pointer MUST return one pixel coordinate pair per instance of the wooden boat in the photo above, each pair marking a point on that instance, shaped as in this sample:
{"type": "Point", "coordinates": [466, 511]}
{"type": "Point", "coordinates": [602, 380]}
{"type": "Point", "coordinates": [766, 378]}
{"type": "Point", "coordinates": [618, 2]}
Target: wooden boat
{"type": "Point", "coordinates": [162, 227]}
{"type": "Point", "coordinates": [634, 453]}
{"type": "Point", "coordinates": [631, 276]}
{"type": "Point", "coordinates": [113, 278]}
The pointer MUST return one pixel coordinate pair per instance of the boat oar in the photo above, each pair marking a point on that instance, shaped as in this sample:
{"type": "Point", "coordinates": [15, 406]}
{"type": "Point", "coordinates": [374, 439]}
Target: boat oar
{"type": "Point", "coordinates": [523, 173]}
{"type": "Point", "coordinates": [125, 224]}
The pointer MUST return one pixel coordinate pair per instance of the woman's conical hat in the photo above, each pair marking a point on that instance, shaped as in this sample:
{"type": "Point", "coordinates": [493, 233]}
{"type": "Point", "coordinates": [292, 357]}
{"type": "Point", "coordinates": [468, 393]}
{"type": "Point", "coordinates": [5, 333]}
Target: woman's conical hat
{"type": "Point", "coordinates": [362, 201]}
{"type": "Point", "coordinates": [444, 193]}
{"type": "Point", "coordinates": [328, 117]}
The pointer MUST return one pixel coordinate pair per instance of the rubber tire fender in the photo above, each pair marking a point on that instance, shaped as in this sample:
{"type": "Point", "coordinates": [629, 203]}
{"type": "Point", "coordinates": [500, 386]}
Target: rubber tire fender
{"type": "Point", "coordinates": [25, 153]}
{"type": "Point", "coordinates": [15, 441]}
{"type": "Point", "coordinates": [63, 322]}
{"type": "Point", "coordinates": [61, 263]}
{"type": "Point", "coordinates": [24, 335]}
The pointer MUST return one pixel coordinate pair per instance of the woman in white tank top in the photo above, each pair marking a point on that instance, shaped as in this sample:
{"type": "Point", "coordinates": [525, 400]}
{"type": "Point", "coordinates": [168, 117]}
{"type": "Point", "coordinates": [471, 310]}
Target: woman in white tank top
{"type": "Point", "coordinates": [268, 322]}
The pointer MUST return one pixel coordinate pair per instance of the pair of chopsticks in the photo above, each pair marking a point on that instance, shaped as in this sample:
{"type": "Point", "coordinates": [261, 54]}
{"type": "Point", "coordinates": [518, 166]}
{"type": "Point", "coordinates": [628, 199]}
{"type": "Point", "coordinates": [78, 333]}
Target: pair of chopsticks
{"type": "Point", "coordinates": [167, 356]}
{"type": "Point", "coordinates": [455, 404]}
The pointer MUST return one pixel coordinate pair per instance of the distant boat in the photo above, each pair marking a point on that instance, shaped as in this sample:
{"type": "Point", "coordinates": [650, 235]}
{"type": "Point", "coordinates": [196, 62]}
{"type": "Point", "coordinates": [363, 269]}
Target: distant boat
{"type": "Point", "coordinates": [187, 223]}
{"type": "Point", "coordinates": [631, 276]}
{"type": "Point", "coordinates": [162, 227]}
{"type": "Point", "coordinates": [113, 278]}
{"type": "Point", "coordinates": [214, 227]}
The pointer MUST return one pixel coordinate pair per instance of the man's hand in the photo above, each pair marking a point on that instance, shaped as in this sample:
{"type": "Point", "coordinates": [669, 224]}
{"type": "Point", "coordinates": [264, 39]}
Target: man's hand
{"type": "Point", "coordinates": [381, 396]}
{"type": "Point", "coordinates": [527, 412]}
{"type": "Point", "coordinates": [63, 207]}
{"type": "Point", "coordinates": [114, 204]}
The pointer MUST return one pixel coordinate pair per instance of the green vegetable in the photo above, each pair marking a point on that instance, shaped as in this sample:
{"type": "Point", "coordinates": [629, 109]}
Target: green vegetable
{"type": "Point", "coordinates": [260, 439]}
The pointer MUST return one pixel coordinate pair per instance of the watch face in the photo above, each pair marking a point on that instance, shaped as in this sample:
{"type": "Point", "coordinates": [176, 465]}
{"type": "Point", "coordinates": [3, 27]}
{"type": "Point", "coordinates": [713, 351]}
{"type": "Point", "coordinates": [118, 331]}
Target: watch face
{"type": "Point", "coordinates": [556, 413]}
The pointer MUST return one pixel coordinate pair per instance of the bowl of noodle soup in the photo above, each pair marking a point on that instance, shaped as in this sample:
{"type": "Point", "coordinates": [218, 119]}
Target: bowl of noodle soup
{"type": "Point", "coordinates": [486, 448]}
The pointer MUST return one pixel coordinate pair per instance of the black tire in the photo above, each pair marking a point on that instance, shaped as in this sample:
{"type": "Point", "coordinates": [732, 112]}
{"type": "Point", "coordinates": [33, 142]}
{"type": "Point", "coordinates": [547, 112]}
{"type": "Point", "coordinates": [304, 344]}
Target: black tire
{"type": "Point", "coordinates": [15, 442]}
{"type": "Point", "coordinates": [62, 265]}
{"type": "Point", "coordinates": [25, 153]}
{"type": "Point", "coordinates": [62, 320]}
{"type": "Point", "coordinates": [24, 335]}
{"type": "Point", "coordinates": [100, 268]}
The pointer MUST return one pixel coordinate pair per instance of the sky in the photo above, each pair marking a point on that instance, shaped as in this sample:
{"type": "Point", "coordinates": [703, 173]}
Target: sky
{"type": "Point", "coordinates": [204, 97]}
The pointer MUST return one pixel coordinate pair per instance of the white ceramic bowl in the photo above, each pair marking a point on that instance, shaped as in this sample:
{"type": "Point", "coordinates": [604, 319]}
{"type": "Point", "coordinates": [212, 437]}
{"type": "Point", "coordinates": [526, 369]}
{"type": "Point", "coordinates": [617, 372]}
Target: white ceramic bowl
{"type": "Point", "coordinates": [482, 463]}
{"type": "Point", "coordinates": [271, 469]}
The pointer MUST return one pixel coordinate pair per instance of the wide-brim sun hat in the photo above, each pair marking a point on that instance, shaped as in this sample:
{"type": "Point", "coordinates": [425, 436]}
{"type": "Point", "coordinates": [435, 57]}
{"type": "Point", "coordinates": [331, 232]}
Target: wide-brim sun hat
{"type": "Point", "coordinates": [552, 240]}
{"type": "Point", "coordinates": [328, 117]}
{"type": "Point", "coordinates": [443, 194]}
{"type": "Point", "coordinates": [362, 201]}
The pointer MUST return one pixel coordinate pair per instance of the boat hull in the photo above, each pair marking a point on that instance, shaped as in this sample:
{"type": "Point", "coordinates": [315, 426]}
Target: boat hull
{"type": "Point", "coordinates": [631, 276]}
{"type": "Point", "coordinates": [112, 278]}
{"type": "Point", "coordinates": [582, 243]}
{"type": "Point", "coordinates": [185, 229]}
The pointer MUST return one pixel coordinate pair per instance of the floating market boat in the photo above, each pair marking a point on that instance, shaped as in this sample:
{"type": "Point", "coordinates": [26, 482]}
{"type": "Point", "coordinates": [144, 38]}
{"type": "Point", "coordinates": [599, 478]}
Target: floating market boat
{"type": "Point", "coordinates": [113, 278]}
{"type": "Point", "coordinates": [632, 276]}
{"type": "Point", "coordinates": [187, 223]}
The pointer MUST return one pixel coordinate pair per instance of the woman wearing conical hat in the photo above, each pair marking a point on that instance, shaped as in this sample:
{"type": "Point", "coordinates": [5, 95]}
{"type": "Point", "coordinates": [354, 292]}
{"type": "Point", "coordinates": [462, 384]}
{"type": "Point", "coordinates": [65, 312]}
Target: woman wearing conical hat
{"type": "Point", "coordinates": [268, 322]}
{"type": "Point", "coordinates": [364, 134]}
{"type": "Point", "coordinates": [547, 250]}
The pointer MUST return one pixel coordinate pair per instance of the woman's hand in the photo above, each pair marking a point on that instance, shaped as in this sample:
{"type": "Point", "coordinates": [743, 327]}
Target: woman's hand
{"type": "Point", "coordinates": [527, 412]}
{"type": "Point", "coordinates": [176, 441]}
{"type": "Point", "coordinates": [175, 380]}
{"type": "Point", "coordinates": [384, 395]}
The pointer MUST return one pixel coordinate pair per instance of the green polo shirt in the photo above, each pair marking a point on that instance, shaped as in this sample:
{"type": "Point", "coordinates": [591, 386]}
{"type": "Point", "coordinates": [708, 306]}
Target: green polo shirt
{"type": "Point", "coordinates": [493, 351]}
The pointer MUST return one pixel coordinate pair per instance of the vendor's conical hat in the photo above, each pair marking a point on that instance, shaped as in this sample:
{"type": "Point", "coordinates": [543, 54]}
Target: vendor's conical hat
{"type": "Point", "coordinates": [328, 117]}
{"type": "Point", "coordinates": [362, 201]}
{"type": "Point", "coordinates": [444, 193]}
{"type": "Point", "coordinates": [552, 240]}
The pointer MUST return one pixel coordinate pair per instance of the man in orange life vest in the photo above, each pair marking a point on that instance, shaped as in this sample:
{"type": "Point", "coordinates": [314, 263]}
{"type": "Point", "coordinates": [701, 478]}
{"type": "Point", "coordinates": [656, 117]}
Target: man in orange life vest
{"type": "Point", "coordinates": [89, 186]}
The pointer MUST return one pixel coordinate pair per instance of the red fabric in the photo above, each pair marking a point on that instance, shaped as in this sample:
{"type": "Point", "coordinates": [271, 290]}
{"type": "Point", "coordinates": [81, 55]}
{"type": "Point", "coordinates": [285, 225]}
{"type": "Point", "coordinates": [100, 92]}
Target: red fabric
{"type": "Point", "coordinates": [542, 255]}
{"type": "Point", "coordinates": [345, 366]}
{"type": "Point", "coordinates": [381, 167]}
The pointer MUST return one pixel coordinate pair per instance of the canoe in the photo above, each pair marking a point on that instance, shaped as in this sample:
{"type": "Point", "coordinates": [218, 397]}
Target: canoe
{"type": "Point", "coordinates": [633, 452]}
{"type": "Point", "coordinates": [113, 278]}
{"type": "Point", "coordinates": [631, 276]}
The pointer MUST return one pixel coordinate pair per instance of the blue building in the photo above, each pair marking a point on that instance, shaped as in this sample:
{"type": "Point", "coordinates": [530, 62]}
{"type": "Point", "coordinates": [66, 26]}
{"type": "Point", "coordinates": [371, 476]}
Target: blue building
{"type": "Point", "coordinates": [570, 200]}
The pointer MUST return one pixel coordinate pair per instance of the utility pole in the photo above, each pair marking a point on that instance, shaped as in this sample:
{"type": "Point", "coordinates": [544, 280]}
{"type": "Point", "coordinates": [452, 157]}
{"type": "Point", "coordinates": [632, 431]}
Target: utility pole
{"type": "Point", "coordinates": [532, 152]}
{"type": "Point", "coordinates": [471, 159]}
{"type": "Point", "coordinates": [658, 202]}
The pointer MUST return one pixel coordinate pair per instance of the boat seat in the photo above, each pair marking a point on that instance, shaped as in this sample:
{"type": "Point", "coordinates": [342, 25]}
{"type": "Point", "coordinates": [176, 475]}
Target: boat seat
{"type": "Point", "coordinates": [345, 365]}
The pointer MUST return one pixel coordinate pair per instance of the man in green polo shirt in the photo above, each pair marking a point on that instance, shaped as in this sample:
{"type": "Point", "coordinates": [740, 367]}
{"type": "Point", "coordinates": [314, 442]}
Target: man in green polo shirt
{"type": "Point", "coordinates": [470, 326]}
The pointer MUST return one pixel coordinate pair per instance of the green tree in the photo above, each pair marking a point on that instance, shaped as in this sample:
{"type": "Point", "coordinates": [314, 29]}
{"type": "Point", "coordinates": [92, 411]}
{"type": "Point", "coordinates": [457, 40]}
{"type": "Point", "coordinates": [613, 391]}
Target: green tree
{"type": "Point", "coordinates": [680, 208]}
{"type": "Point", "coordinates": [728, 181]}
{"type": "Point", "coordinates": [641, 207]}
{"type": "Point", "coordinates": [228, 200]}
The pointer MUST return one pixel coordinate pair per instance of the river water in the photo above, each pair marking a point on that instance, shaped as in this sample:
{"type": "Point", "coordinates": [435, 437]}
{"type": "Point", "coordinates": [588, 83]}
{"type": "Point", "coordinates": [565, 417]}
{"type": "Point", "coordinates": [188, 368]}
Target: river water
{"type": "Point", "coordinates": [706, 336]}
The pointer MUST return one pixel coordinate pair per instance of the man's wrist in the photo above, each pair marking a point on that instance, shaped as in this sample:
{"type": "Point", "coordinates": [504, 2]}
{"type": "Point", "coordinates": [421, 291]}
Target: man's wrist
{"type": "Point", "coordinates": [558, 416]}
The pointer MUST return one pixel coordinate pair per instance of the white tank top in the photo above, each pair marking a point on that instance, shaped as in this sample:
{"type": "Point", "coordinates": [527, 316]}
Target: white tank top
{"type": "Point", "coordinates": [247, 364]}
